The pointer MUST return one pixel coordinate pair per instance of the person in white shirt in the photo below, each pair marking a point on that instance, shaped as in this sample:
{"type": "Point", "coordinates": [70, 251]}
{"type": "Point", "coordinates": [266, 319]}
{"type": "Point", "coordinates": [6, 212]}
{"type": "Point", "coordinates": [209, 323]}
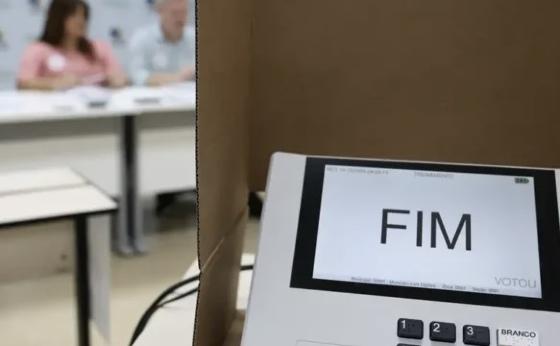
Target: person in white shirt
{"type": "Point", "coordinates": [164, 53]}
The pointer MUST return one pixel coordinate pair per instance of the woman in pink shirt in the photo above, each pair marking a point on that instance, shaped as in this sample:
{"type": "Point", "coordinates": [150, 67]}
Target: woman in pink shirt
{"type": "Point", "coordinates": [64, 57]}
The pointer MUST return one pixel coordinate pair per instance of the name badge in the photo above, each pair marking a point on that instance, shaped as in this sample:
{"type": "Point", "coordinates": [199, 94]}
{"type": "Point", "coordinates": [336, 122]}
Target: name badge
{"type": "Point", "coordinates": [56, 63]}
{"type": "Point", "coordinates": [160, 61]}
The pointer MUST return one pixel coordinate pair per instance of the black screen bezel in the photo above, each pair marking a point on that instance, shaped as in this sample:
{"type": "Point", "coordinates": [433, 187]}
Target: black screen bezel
{"type": "Point", "coordinates": [547, 223]}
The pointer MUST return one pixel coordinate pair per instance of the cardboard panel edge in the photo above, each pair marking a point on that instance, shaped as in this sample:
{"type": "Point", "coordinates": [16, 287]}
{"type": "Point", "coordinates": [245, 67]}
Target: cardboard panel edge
{"type": "Point", "coordinates": [223, 91]}
{"type": "Point", "coordinates": [236, 331]}
{"type": "Point", "coordinates": [216, 304]}
{"type": "Point", "coordinates": [223, 59]}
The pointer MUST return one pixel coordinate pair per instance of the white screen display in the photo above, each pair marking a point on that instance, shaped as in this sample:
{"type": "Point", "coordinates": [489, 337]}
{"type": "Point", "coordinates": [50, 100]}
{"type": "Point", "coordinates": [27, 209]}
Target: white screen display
{"type": "Point", "coordinates": [429, 229]}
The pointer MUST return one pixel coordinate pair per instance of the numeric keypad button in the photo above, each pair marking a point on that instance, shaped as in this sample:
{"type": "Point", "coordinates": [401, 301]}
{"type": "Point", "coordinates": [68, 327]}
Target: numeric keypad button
{"type": "Point", "coordinates": [410, 329]}
{"type": "Point", "coordinates": [476, 335]}
{"type": "Point", "coordinates": [444, 332]}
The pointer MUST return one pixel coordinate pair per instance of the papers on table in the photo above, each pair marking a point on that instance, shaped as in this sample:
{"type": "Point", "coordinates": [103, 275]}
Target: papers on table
{"type": "Point", "coordinates": [91, 96]}
{"type": "Point", "coordinates": [91, 101]}
{"type": "Point", "coordinates": [10, 101]}
{"type": "Point", "coordinates": [177, 95]}
{"type": "Point", "coordinates": [183, 92]}
{"type": "Point", "coordinates": [28, 105]}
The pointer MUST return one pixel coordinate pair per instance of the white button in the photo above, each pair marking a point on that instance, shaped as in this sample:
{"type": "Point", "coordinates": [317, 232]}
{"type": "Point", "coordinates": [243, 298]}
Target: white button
{"type": "Point", "coordinates": [517, 337]}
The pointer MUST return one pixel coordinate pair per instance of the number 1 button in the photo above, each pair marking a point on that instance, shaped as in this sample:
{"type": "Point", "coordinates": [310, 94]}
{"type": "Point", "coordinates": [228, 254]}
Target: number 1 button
{"type": "Point", "coordinates": [474, 335]}
{"type": "Point", "coordinates": [444, 332]}
{"type": "Point", "coordinates": [410, 329]}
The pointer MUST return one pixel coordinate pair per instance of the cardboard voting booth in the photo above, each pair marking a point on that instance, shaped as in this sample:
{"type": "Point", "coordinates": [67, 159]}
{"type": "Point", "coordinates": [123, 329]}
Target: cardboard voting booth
{"type": "Point", "coordinates": [455, 81]}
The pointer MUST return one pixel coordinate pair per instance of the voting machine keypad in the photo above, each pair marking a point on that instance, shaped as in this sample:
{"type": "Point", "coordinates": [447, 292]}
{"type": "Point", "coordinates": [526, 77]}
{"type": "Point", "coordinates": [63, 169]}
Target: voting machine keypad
{"type": "Point", "coordinates": [472, 335]}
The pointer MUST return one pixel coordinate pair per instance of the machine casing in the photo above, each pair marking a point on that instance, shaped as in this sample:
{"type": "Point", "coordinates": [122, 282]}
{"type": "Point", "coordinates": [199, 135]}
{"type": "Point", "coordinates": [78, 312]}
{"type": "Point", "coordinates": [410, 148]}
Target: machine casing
{"type": "Point", "coordinates": [279, 315]}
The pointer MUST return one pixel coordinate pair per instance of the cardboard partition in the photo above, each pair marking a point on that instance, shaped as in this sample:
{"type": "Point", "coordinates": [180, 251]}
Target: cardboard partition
{"type": "Point", "coordinates": [462, 81]}
{"type": "Point", "coordinates": [222, 164]}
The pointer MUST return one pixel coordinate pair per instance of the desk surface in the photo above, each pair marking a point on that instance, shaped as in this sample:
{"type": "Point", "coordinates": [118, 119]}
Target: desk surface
{"type": "Point", "coordinates": [33, 106]}
{"type": "Point", "coordinates": [32, 180]}
{"type": "Point", "coordinates": [30, 196]}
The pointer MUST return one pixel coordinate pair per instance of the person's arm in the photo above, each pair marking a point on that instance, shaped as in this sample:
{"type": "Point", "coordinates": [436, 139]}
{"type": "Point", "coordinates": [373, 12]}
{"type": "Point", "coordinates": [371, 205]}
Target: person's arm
{"type": "Point", "coordinates": [48, 83]}
{"type": "Point", "coordinates": [29, 76]}
{"type": "Point", "coordinates": [159, 79]}
{"type": "Point", "coordinates": [116, 80]}
{"type": "Point", "coordinates": [115, 76]}
{"type": "Point", "coordinates": [139, 68]}
{"type": "Point", "coordinates": [35, 84]}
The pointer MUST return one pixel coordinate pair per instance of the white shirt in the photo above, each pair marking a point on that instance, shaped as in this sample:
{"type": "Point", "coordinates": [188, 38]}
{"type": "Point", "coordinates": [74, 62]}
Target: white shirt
{"type": "Point", "coordinates": [150, 52]}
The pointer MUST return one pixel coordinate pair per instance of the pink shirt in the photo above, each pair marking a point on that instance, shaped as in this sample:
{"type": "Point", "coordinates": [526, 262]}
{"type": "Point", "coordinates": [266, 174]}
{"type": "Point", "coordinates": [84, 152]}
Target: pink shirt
{"type": "Point", "coordinates": [43, 60]}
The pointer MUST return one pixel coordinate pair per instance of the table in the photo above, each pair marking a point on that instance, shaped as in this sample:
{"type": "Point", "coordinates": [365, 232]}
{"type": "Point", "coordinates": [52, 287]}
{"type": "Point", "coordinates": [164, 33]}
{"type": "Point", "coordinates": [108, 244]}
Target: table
{"type": "Point", "coordinates": [126, 105]}
{"type": "Point", "coordinates": [38, 196]}
{"type": "Point", "coordinates": [174, 324]}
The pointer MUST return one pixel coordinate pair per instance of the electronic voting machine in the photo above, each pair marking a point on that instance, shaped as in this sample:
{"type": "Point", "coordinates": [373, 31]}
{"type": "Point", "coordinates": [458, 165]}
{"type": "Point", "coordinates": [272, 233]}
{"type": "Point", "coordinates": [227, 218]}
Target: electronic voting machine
{"type": "Point", "coordinates": [382, 253]}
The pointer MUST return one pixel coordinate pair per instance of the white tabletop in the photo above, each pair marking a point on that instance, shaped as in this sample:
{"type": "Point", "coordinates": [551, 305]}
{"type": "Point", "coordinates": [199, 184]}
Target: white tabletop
{"type": "Point", "coordinates": [33, 106]}
{"type": "Point", "coordinates": [174, 324]}
{"type": "Point", "coordinates": [46, 194]}
{"type": "Point", "coordinates": [31, 180]}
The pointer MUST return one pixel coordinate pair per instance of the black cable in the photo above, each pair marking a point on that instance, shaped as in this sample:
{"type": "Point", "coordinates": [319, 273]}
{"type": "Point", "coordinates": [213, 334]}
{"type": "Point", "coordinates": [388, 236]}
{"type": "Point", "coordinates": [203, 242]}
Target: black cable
{"type": "Point", "coordinates": [186, 294]}
{"type": "Point", "coordinates": [161, 302]}
{"type": "Point", "coordinates": [179, 297]}
{"type": "Point", "coordinates": [154, 306]}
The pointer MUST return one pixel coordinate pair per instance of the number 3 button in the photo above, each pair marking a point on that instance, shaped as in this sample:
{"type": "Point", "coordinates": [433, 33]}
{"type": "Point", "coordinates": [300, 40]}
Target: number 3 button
{"type": "Point", "coordinates": [444, 332]}
{"type": "Point", "coordinates": [474, 335]}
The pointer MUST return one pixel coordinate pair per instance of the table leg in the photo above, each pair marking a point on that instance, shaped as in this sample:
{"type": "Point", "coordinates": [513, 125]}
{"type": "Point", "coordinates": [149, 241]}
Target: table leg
{"type": "Point", "coordinates": [130, 233]}
{"type": "Point", "coordinates": [82, 280]}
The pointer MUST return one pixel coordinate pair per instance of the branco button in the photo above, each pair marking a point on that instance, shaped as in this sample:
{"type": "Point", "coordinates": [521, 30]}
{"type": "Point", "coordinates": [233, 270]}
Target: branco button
{"type": "Point", "coordinates": [517, 337]}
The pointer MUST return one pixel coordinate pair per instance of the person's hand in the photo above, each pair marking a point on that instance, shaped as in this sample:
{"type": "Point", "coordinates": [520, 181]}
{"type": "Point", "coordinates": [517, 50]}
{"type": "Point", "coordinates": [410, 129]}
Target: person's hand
{"type": "Point", "coordinates": [64, 82]}
{"type": "Point", "coordinates": [116, 80]}
{"type": "Point", "coordinates": [94, 79]}
{"type": "Point", "coordinates": [187, 73]}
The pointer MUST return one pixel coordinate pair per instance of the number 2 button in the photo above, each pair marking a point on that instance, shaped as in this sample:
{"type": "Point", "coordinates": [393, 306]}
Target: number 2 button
{"type": "Point", "coordinates": [444, 332]}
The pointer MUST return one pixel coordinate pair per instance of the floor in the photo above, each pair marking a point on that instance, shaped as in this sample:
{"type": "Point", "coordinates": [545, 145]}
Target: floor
{"type": "Point", "coordinates": [41, 312]}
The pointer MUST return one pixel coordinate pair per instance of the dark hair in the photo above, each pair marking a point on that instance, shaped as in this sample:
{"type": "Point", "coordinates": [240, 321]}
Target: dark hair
{"type": "Point", "coordinates": [53, 33]}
